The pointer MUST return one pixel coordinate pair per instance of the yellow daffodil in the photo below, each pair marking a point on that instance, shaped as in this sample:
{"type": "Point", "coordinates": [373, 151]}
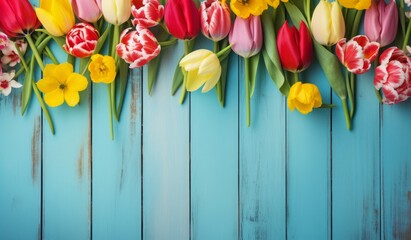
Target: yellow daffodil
{"type": "Point", "coordinates": [243, 8]}
{"type": "Point", "coordinates": [357, 4]}
{"type": "Point", "coordinates": [60, 83]}
{"type": "Point", "coordinates": [304, 97]}
{"type": "Point", "coordinates": [275, 3]}
{"type": "Point", "coordinates": [56, 16]}
{"type": "Point", "coordinates": [203, 67]}
{"type": "Point", "coordinates": [102, 69]}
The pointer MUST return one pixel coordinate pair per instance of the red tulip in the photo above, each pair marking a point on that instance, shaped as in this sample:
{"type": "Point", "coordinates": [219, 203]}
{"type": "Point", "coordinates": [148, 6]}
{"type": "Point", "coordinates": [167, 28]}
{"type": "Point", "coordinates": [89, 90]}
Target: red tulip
{"type": "Point", "coordinates": [182, 19]}
{"type": "Point", "coordinates": [18, 18]}
{"type": "Point", "coordinates": [81, 40]}
{"type": "Point", "coordinates": [357, 54]}
{"type": "Point", "coordinates": [138, 47]}
{"type": "Point", "coordinates": [393, 75]}
{"type": "Point", "coordinates": [215, 19]}
{"type": "Point", "coordinates": [147, 13]}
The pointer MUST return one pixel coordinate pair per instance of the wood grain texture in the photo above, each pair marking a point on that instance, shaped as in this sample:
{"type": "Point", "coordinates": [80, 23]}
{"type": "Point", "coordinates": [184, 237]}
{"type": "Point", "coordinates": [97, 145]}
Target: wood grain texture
{"type": "Point", "coordinates": [262, 161]}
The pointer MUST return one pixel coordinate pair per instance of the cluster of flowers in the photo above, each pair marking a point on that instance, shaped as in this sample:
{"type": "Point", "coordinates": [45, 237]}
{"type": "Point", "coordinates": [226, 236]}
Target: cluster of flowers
{"type": "Point", "coordinates": [260, 28]}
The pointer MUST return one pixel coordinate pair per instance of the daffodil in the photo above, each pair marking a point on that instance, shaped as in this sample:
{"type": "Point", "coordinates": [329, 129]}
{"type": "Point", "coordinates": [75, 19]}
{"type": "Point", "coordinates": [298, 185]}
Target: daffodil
{"type": "Point", "coordinates": [245, 8]}
{"type": "Point", "coordinates": [203, 67]}
{"type": "Point", "coordinates": [304, 97]}
{"type": "Point", "coordinates": [56, 16]}
{"type": "Point", "coordinates": [102, 69]}
{"type": "Point", "coordinates": [357, 4]}
{"type": "Point", "coordinates": [275, 3]}
{"type": "Point", "coordinates": [60, 83]}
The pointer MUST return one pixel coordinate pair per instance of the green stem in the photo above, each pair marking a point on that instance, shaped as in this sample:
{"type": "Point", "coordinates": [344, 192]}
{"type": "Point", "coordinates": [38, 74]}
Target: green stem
{"type": "Point", "coordinates": [219, 86]}
{"type": "Point", "coordinates": [307, 9]}
{"type": "Point", "coordinates": [407, 36]}
{"type": "Point", "coordinates": [295, 78]}
{"type": "Point", "coordinates": [350, 96]}
{"type": "Point", "coordinates": [51, 55]}
{"type": "Point", "coordinates": [346, 113]}
{"type": "Point", "coordinates": [378, 94]}
{"type": "Point", "coordinates": [43, 106]}
{"type": "Point", "coordinates": [184, 90]}
{"type": "Point", "coordinates": [111, 112]}
{"type": "Point", "coordinates": [247, 91]}
{"type": "Point", "coordinates": [352, 85]}
{"type": "Point", "coordinates": [168, 43]}
{"type": "Point", "coordinates": [22, 60]}
{"type": "Point", "coordinates": [35, 51]}
{"type": "Point", "coordinates": [116, 36]}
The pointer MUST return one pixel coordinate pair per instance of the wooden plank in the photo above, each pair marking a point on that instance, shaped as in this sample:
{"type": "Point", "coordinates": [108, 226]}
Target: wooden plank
{"type": "Point", "coordinates": [20, 169]}
{"type": "Point", "coordinates": [67, 170]}
{"type": "Point", "coordinates": [396, 175]}
{"type": "Point", "coordinates": [165, 157]}
{"type": "Point", "coordinates": [308, 167]}
{"type": "Point", "coordinates": [262, 162]}
{"type": "Point", "coordinates": [356, 167]}
{"type": "Point", "coordinates": [116, 185]}
{"type": "Point", "coordinates": [214, 162]}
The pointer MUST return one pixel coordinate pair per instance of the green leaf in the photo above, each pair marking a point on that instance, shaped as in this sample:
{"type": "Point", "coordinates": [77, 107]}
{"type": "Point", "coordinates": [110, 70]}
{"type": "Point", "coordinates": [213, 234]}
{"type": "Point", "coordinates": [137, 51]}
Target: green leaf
{"type": "Point", "coordinates": [401, 12]}
{"type": "Point", "coordinates": [275, 74]}
{"type": "Point", "coordinates": [254, 60]}
{"type": "Point", "coordinates": [102, 39]}
{"type": "Point", "coordinates": [123, 79]}
{"type": "Point", "coordinates": [349, 22]}
{"type": "Point", "coordinates": [152, 72]}
{"type": "Point", "coordinates": [177, 79]}
{"type": "Point", "coordinates": [356, 23]}
{"type": "Point", "coordinates": [295, 14]}
{"type": "Point", "coordinates": [27, 89]}
{"type": "Point", "coordinates": [224, 73]}
{"type": "Point", "coordinates": [278, 15]}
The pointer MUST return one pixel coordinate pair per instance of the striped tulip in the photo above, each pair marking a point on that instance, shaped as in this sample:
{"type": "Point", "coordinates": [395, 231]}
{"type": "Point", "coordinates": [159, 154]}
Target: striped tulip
{"type": "Point", "coordinates": [215, 19]}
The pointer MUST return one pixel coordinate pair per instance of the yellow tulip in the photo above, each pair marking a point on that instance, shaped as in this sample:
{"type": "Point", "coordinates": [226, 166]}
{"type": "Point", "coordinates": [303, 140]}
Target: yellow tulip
{"type": "Point", "coordinates": [327, 23]}
{"type": "Point", "coordinates": [56, 16]}
{"type": "Point", "coordinates": [275, 3]}
{"type": "Point", "coordinates": [245, 8]}
{"type": "Point", "coordinates": [203, 67]}
{"type": "Point", "coordinates": [102, 69]}
{"type": "Point", "coordinates": [357, 4]}
{"type": "Point", "coordinates": [60, 83]}
{"type": "Point", "coordinates": [304, 97]}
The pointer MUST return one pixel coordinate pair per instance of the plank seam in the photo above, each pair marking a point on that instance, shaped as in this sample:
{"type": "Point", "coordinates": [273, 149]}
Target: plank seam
{"type": "Point", "coordinates": [189, 168]}
{"type": "Point", "coordinates": [91, 160]}
{"type": "Point", "coordinates": [142, 156]}
{"type": "Point", "coordinates": [286, 166]}
{"type": "Point", "coordinates": [239, 69]}
{"type": "Point", "coordinates": [381, 172]}
{"type": "Point", "coordinates": [331, 169]}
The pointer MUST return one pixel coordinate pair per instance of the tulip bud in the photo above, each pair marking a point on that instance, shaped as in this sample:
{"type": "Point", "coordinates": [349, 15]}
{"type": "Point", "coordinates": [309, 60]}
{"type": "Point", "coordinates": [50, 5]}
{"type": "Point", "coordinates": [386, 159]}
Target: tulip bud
{"type": "Point", "coordinates": [18, 18]}
{"type": "Point", "coordinates": [381, 22]}
{"type": "Point", "coordinates": [295, 47]}
{"type": "Point", "coordinates": [138, 47]}
{"type": "Point", "coordinates": [56, 16]}
{"type": "Point", "coordinates": [146, 13]}
{"type": "Point", "coordinates": [327, 23]}
{"type": "Point", "coordinates": [357, 4]}
{"type": "Point", "coordinates": [81, 40]}
{"type": "Point", "coordinates": [203, 67]}
{"type": "Point", "coordinates": [87, 11]}
{"type": "Point", "coordinates": [215, 19]}
{"type": "Point", "coordinates": [246, 36]}
{"type": "Point", "coordinates": [304, 97]}
{"type": "Point", "coordinates": [182, 19]}
{"type": "Point", "coordinates": [116, 12]}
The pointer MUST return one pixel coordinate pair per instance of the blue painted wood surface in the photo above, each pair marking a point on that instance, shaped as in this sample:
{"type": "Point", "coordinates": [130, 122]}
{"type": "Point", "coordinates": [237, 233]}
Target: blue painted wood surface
{"type": "Point", "coordinates": [195, 171]}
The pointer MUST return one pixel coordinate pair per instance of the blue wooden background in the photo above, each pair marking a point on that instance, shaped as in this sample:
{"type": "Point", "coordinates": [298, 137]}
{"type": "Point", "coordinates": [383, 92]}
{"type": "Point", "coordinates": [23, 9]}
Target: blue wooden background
{"type": "Point", "coordinates": [195, 171]}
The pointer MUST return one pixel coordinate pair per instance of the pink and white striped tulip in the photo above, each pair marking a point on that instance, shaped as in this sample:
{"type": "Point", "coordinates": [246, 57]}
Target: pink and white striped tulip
{"type": "Point", "coordinates": [215, 19]}
{"type": "Point", "coordinates": [146, 13]}
{"type": "Point", "coordinates": [357, 54]}
{"type": "Point", "coordinates": [81, 40]}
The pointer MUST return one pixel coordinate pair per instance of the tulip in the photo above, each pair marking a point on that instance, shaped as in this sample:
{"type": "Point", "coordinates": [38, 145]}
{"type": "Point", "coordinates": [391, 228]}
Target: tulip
{"type": "Point", "coordinates": [87, 11]}
{"type": "Point", "coordinates": [381, 22]}
{"type": "Point", "coordinates": [393, 75]}
{"type": "Point", "coordinates": [295, 47]}
{"type": "Point", "coordinates": [138, 47]}
{"type": "Point", "coordinates": [357, 54]}
{"type": "Point", "coordinates": [327, 23]}
{"type": "Point", "coordinates": [182, 19]}
{"type": "Point", "coordinates": [215, 19]}
{"type": "Point", "coordinates": [81, 40]}
{"type": "Point", "coordinates": [56, 16]}
{"type": "Point", "coordinates": [115, 12]}
{"type": "Point", "coordinates": [357, 4]}
{"type": "Point", "coordinates": [147, 13]}
{"type": "Point", "coordinates": [246, 36]}
{"type": "Point", "coordinates": [203, 67]}
{"type": "Point", "coordinates": [18, 18]}
{"type": "Point", "coordinates": [304, 97]}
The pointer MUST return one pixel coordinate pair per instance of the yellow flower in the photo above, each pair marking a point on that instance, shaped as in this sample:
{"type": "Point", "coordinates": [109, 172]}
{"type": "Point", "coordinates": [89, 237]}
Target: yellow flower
{"type": "Point", "coordinates": [243, 8]}
{"type": "Point", "coordinates": [102, 69]}
{"type": "Point", "coordinates": [56, 16]}
{"type": "Point", "coordinates": [60, 83]}
{"type": "Point", "coordinates": [304, 97]}
{"type": "Point", "coordinates": [275, 3]}
{"type": "Point", "coordinates": [203, 67]}
{"type": "Point", "coordinates": [357, 4]}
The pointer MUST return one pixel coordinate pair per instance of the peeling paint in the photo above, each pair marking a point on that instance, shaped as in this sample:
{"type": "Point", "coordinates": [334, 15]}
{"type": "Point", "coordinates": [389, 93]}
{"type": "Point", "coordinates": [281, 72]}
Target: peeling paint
{"type": "Point", "coordinates": [135, 94]}
{"type": "Point", "coordinates": [122, 169]}
{"type": "Point", "coordinates": [35, 149]}
{"type": "Point", "coordinates": [16, 103]}
{"type": "Point", "coordinates": [80, 162]}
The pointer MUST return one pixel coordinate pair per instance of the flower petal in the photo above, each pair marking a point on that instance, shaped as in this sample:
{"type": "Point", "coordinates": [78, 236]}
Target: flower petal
{"type": "Point", "coordinates": [76, 82]}
{"type": "Point", "coordinates": [54, 98]}
{"type": "Point", "coordinates": [72, 98]}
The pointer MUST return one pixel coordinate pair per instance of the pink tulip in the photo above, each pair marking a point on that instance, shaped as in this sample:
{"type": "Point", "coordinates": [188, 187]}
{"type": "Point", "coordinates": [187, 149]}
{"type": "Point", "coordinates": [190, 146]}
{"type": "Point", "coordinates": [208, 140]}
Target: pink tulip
{"type": "Point", "coordinates": [81, 40]}
{"type": "Point", "coordinates": [381, 22]}
{"type": "Point", "coordinates": [246, 36]}
{"type": "Point", "coordinates": [147, 13]}
{"type": "Point", "coordinates": [87, 11]}
{"type": "Point", "coordinates": [215, 19]}
{"type": "Point", "coordinates": [393, 75]}
{"type": "Point", "coordinates": [357, 54]}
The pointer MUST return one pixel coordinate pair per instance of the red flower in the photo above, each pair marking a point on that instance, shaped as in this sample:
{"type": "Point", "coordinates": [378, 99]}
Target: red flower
{"type": "Point", "coordinates": [18, 18]}
{"type": "Point", "coordinates": [147, 13]}
{"type": "Point", "coordinates": [81, 40]}
{"type": "Point", "coordinates": [182, 19]}
{"type": "Point", "coordinates": [393, 75]}
{"type": "Point", "coordinates": [137, 47]}
{"type": "Point", "coordinates": [215, 19]}
{"type": "Point", "coordinates": [357, 54]}
{"type": "Point", "coordinates": [295, 47]}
